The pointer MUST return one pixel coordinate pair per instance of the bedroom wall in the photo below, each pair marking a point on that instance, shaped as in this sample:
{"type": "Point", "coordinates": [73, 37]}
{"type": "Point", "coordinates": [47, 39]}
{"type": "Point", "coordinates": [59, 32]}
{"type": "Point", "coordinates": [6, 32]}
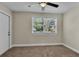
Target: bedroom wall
{"type": "Point", "coordinates": [71, 28]}
{"type": "Point", "coordinates": [5, 10]}
{"type": "Point", "coordinates": [22, 29]}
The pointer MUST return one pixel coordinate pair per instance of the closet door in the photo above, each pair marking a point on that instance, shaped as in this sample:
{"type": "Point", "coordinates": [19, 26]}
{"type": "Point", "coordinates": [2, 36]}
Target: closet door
{"type": "Point", "coordinates": [4, 30]}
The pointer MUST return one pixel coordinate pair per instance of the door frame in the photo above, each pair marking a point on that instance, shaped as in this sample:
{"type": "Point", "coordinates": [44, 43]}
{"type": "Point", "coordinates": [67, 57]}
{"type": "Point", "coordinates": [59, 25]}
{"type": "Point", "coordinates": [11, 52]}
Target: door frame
{"type": "Point", "coordinates": [9, 32]}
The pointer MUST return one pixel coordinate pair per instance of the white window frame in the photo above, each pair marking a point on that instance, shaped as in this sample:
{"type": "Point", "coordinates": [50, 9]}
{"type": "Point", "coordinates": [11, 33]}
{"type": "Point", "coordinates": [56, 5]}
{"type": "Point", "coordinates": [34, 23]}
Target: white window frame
{"type": "Point", "coordinates": [55, 19]}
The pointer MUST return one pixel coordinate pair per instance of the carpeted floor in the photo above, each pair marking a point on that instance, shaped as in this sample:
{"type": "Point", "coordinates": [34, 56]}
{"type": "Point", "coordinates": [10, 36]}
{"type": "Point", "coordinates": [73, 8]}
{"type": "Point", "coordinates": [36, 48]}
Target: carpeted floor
{"type": "Point", "coordinates": [40, 51]}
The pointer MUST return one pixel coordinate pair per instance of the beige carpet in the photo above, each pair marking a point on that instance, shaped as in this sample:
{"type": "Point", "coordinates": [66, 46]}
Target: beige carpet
{"type": "Point", "coordinates": [40, 51]}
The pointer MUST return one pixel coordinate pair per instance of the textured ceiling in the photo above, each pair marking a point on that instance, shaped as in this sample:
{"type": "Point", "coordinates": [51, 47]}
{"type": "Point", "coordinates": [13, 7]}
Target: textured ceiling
{"type": "Point", "coordinates": [23, 7]}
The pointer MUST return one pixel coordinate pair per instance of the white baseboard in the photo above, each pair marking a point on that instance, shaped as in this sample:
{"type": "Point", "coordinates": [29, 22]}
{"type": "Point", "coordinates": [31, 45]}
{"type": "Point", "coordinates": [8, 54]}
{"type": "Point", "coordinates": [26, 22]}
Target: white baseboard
{"type": "Point", "coordinates": [2, 52]}
{"type": "Point", "coordinates": [45, 44]}
{"type": "Point", "coordinates": [73, 49]}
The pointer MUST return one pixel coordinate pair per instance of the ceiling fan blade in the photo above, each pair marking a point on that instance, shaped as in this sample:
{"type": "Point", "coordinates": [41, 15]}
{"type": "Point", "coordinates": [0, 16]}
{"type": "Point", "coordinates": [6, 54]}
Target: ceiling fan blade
{"type": "Point", "coordinates": [31, 5]}
{"type": "Point", "coordinates": [51, 4]}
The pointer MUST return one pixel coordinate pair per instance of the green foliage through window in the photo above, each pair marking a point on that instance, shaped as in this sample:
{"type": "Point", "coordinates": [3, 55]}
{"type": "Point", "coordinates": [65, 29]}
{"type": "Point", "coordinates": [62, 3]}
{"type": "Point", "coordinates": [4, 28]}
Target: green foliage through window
{"type": "Point", "coordinates": [40, 24]}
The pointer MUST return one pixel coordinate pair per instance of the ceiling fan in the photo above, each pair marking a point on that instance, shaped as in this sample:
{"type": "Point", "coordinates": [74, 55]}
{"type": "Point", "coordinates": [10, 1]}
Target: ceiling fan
{"type": "Point", "coordinates": [44, 4]}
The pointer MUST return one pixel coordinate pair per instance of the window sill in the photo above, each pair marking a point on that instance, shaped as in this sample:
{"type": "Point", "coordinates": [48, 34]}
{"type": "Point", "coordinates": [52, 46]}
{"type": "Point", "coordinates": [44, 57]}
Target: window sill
{"type": "Point", "coordinates": [43, 32]}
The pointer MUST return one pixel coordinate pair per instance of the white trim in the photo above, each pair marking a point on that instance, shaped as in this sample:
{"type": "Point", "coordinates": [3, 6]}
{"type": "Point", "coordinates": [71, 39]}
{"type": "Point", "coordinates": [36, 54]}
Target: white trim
{"type": "Point", "coordinates": [2, 52]}
{"type": "Point", "coordinates": [45, 44]}
{"type": "Point", "coordinates": [73, 49]}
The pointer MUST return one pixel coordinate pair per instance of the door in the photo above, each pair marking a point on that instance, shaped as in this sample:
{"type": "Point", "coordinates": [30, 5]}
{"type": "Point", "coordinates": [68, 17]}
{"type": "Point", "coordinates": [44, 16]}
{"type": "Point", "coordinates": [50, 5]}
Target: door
{"type": "Point", "coordinates": [4, 30]}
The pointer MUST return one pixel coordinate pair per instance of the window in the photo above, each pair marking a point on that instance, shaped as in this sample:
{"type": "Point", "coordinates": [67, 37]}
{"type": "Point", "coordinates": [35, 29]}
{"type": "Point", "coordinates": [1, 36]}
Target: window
{"type": "Point", "coordinates": [44, 25]}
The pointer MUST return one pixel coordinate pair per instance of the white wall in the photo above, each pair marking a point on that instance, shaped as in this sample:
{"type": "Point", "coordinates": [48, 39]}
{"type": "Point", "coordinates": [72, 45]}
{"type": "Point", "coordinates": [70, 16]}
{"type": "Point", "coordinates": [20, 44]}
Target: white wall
{"type": "Point", "coordinates": [71, 28]}
{"type": "Point", "coordinates": [22, 29]}
{"type": "Point", "coordinates": [5, 10]}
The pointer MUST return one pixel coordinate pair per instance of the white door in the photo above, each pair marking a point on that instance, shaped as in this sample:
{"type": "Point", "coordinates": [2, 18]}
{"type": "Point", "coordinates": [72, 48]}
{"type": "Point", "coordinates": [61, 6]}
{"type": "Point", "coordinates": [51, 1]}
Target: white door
{"type": "Point", "coordinates": [4, 29]}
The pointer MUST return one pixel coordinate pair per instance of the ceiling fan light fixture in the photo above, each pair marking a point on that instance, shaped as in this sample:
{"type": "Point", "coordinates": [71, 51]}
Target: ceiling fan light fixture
{"type": "Point", "coordinates": [43, 4]}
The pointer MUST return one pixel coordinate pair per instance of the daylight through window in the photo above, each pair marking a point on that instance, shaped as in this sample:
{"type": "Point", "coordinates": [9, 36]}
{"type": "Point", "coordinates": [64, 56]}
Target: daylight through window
{"type": "Point", "coordinates": [44, 25]}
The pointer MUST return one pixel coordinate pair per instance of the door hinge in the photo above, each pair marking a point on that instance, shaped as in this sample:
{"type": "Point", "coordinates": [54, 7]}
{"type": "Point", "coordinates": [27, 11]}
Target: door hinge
{"type": "Point", "coordinates": [8, 33]}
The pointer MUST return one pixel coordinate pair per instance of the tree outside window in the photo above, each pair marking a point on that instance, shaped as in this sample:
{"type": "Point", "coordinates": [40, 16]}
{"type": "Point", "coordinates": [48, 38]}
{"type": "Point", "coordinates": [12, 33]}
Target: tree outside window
{"type": "Point", "coordinates": [42, 24]}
